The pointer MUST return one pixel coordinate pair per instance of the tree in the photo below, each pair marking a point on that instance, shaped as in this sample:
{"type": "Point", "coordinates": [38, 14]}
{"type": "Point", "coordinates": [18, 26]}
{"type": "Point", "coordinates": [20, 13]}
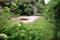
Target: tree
{"type": "Point", "coordinates": [52, 12]}
{"type": "Point", "coordinates": [40, 6]}
{"type": "Point", "coordinates": [20, 7]}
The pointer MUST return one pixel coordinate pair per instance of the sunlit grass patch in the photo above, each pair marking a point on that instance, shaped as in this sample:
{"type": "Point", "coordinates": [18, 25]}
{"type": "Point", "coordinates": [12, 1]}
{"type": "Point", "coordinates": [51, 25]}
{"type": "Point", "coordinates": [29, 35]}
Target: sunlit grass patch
{"type": "Point", "coordinates": [46, 28]}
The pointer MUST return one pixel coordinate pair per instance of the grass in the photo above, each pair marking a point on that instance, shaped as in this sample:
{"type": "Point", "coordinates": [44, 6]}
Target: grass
{"type": "Point", "coordinates": [46, 28]}
{"type": "Point", "coordinates": [41, 29]}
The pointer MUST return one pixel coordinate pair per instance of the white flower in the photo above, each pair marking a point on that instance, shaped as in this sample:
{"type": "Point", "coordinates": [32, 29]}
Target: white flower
{"type": "Point", "coordinates": [3, 35]}
{"type": "Point", "coordinates": [19, 24]}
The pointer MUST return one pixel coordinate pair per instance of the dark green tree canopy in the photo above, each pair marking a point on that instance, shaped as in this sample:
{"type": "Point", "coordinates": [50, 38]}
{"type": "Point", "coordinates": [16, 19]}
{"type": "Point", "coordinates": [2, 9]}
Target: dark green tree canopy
{"type": "Point", "coordinates": [20, 6]}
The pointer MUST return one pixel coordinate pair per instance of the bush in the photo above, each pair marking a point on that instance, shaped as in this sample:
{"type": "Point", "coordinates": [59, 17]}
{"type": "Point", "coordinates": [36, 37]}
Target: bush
{"type": "Point", "coordinates": [20, 7]}
{"type": "Point", "coordinates": [49, 11]}
{"type": "Point", "coordinates": [52, 12]}
{"type": "Point", "coordinates": [20, 32]}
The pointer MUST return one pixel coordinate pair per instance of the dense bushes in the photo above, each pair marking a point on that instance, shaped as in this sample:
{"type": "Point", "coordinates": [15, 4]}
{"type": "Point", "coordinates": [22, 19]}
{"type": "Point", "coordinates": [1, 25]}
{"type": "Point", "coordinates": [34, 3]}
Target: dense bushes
{"type": "Point", "coordinates": [23, 7]}
{"type": "Point", "coordinates": [20, 32]}
{"type": "Point", "coordinates": [49, 10]}
{"type": "Point", "coordinates": [52, 11]}
{"type": "Point", "coordinates": [20, 7]}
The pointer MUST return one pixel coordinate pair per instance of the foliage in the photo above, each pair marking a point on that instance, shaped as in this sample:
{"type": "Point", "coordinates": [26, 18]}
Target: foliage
{"type": "Point", "coordinates": [36, 31]}
{"type": "Point", "coordinates": [40, 6]}
{"type": "Point", "coordinates": [49, 10]}
{"type": "Point", "coordinates": [45, 27]}
{"type": "Point", "coordinates": [19, 7]}
{"type": "Point", "coordinates": [52, 12]}
{"type": "Point", "coordinates": [5, 14]}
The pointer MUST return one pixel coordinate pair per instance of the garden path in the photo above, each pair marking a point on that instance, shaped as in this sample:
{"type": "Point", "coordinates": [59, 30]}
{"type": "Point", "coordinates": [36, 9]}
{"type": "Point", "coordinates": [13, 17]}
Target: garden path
{"type": "Point", "coordinates": [25, 19]}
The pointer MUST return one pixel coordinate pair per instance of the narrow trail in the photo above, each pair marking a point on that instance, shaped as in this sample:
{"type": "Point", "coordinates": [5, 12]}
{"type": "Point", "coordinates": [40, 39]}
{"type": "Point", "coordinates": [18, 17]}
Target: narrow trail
{"type": "Point", "coordinates": [25, 19]}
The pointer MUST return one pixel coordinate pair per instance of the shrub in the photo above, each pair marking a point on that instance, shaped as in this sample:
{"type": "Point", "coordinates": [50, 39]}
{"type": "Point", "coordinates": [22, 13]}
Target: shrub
{"type": "Point", "coordinates": [52, 11]}
{"type": "Point", "coordinates": [20, 32]}
{"type": "Point", "coordinates": [23, 32]}
{"type": "Point", "coordinates": [19, 7]}
{"type": "Point", "coordinates": [4, 15]}
{"type": "Point", "coordinates": [49, 10]}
